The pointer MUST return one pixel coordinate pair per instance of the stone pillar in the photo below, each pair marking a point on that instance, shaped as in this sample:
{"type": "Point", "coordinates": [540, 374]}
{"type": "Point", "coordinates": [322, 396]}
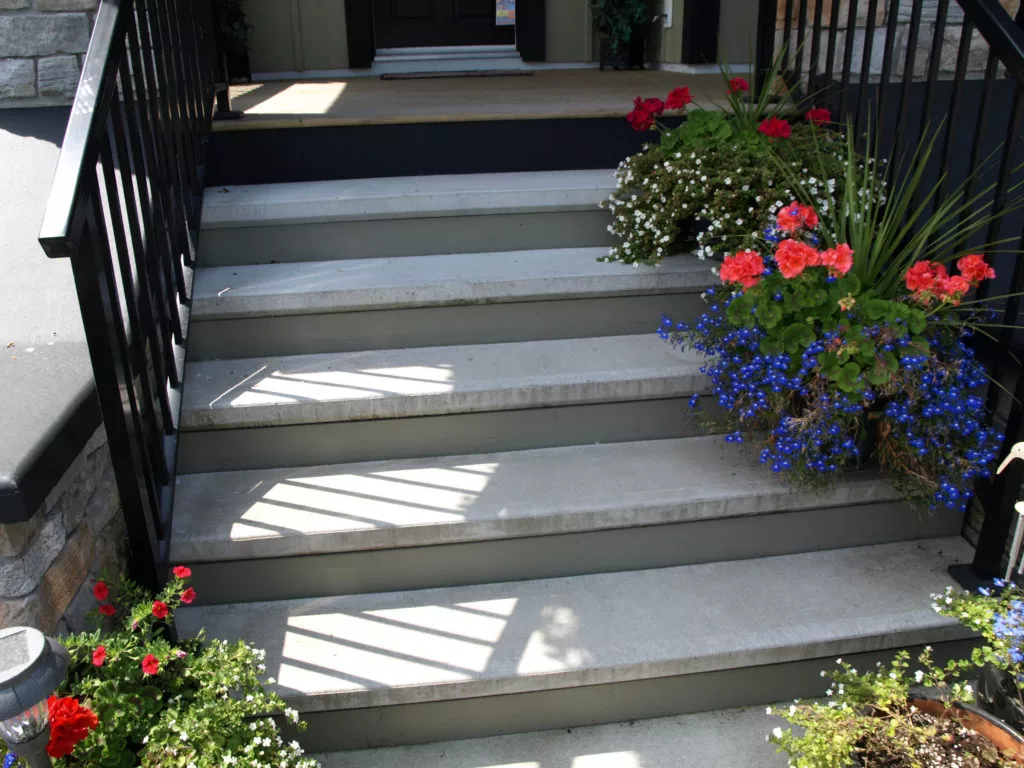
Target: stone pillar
{"type": "Point", "coordinates": [42, 44]}
{"type": "Point", "coordinates": [49, 563]}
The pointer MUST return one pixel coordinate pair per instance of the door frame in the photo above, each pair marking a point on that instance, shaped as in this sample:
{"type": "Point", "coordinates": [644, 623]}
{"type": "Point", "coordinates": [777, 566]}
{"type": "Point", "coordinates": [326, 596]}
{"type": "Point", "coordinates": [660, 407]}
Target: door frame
{"type": "Point", "coordinates": [531, 31]}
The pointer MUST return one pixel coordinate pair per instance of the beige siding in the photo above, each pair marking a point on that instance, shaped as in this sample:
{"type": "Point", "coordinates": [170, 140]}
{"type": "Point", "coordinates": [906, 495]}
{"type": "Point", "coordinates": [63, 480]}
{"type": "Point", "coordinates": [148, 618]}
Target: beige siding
{"type": "Point", "coordinates": [569, 36]}
{"type": "Point", "coordinates": [737, 31]}
{"type": "Point", "coordinates": [324, 42]}
{"type": "Point", "coordinates": [296, 35]}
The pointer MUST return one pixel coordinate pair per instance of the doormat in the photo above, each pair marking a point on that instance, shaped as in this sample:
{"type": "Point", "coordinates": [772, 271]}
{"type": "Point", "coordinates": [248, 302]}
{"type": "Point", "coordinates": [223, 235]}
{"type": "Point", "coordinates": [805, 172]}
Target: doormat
{"type": "Point", "coordinates": [468, 73]}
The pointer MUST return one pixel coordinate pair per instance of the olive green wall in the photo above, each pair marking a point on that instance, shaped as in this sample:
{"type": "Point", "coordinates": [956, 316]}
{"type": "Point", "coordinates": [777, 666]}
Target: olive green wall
{"type": "Point", "coordinates": [296, 35]}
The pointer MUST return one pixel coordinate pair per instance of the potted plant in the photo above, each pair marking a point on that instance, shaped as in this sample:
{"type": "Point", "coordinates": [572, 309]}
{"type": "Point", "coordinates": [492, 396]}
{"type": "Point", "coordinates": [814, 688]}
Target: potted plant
{"type": "Point", "coordinates": [933, 716]}
{"type": "Point", "coordinates": [135, 695]}
{"type": "Point", "coordinates": [624, 26]}
{"type": "Point", "coordinates": [858, 316]}
{"type": "Point", "coordinates": [233, 38]}
{"type": "Point", "coordinates": [893, 717]}
{"type": "Point", "coordinates": [710, 185]}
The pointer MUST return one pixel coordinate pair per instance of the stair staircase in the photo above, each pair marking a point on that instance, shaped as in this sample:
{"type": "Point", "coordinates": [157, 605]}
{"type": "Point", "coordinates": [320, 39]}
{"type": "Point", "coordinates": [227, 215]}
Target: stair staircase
{"type": "Point", "coordinates": [435, 460]}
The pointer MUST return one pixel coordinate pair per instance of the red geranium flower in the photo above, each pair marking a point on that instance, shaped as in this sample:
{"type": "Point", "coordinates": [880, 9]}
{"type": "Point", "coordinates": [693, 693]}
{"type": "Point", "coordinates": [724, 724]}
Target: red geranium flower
{"type": "Point", "coordinates": [70, 722]}
{"type": "Point", "coordinates": [99, 656]}
{"type": "Point", "coordinates": [738, 85]}
{"type": "Point", "coordinates": [793, 257]}
{"type": "Point", "coordinates": [107, 610]}
{"type": "Point", "coordinates": [188, 596]}
{"type": "Point", "coordinates": [644, 112]}
{"type": "Point", "coordinates": [975, 269]}
{"type": "Point", "coordinates": [745, 268]}
{"type": "Point", "coordinates": [150, 665]}
{"type": "Point", "coordinates": [839, 260]}
{"type": "Point", "coordinates": [160, 609]}
{"type": "Point", "coordinates": [818, 116]}
{"type": "Point", "coordinates": [775, 128]}
{"type": "Point", "coordinates": [795, 216]}
{"type": "Point", "coordinates": [678, 98]}
{"type": "Point", "coordinates": [926, 277]}
{"type": "Point", "coordinates": [182, 572]}
{"type": "Point", "coordinates": [100, 591]}
{"type": "Point", "coordinates": [953, 288]}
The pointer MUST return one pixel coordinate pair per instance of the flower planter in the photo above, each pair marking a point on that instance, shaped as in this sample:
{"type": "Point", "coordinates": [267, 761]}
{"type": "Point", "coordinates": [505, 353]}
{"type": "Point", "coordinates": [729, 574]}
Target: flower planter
{"type": "Point", "coordinates": [1006, 739]}
{"type": "Point", "coordinates": [632, 55]}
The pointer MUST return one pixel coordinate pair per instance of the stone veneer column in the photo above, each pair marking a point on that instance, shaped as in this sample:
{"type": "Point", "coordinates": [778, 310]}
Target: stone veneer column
{"type": "Point", "coordinates": [42, 44]}
{"type": "Point", "coordinates": [48, 564]}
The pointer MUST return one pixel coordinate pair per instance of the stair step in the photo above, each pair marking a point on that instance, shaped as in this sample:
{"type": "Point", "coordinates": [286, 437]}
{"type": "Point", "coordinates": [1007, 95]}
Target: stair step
{"type": "Point", "coordinates": [404, 197]}
{"type": "Point", "coordinates": [493, 643]}
{"type": "Point", "coordinates": [368, 218]}
{"type": "Point", "coordinates": [387, 384]}
{"type": "Point", "coordinates": [417, 301]}
{"type": "Point", "coordinates": [425, 281]}
{"type": "Point", "coordinates": [732, 738]}
{"type": "Point", "coordinates": [432, 501]}
{"type": "Point", "coordinates": [408, 524]}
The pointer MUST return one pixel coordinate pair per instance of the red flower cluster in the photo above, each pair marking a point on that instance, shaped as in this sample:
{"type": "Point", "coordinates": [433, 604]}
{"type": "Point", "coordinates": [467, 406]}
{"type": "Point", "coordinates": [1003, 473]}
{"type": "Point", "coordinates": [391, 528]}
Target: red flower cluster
{"type": "Point", "coordinates": [795, 216]}
{"type": "Point", "coordinates": [645, 111]}
{"type": "Point", "coordinates": [794, 256]}
{"type": "Point", "coordinates": [182, 572]}
{"type": "Point", "coordinates": [745, 268]}
{"type": "Point", "coordinates": [839, 260]}
{"type": "Point", "coordinates": [775, 128]}
{"type": "Point", "coordinates": [928, 280]}
{"type": "Point", "coordinates": [70, 722]}
{"type": "Point", "coordinates": [678, 98]}
{"type": "Point", "coordinates": [818, 116]}
{"type": "Point", "coordinates": [738, 85]}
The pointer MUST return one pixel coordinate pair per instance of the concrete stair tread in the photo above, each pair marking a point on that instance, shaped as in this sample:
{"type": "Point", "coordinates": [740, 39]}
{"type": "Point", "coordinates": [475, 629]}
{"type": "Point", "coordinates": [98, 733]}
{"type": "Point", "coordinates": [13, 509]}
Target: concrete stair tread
{"type": "Point", "coordinates": [722, 739]}
{"type": "Point", "coordinates": [482, 640]}
{"type": "Point", "coordinates": [351, 386]}
{"type": "Point", "coordinates": [315, 287]}
{"type": "Point", "coordinates": [442, 500]}
{"type": "Point", "coordinates": [404, 197]}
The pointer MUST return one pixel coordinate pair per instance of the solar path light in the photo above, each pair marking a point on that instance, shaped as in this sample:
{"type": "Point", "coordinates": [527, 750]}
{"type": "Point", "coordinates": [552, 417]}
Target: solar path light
{"type": "Point", "coordinates": [32, 665]}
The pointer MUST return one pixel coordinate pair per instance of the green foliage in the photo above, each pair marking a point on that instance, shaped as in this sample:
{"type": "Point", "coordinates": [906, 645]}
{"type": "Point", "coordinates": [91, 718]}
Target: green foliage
{"type": "Point", "coordinates": [720, 179]}
{"type": "Point", "coordinates": [616, 19]}
{"type": "Point", "coordinates": [233, 24]}
{"type": "Point", "coordinates": [868, 718]}
{"type": "Point", "coordinates": [892, 217]}
{"type": "Point", "coordinates": [205, 706]}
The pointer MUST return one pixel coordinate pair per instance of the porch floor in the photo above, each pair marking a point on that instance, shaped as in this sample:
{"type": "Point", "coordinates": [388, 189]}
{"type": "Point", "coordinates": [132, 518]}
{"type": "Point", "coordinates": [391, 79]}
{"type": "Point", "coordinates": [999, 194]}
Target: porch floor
{"type": "Point", "coordinates": [539, 95]}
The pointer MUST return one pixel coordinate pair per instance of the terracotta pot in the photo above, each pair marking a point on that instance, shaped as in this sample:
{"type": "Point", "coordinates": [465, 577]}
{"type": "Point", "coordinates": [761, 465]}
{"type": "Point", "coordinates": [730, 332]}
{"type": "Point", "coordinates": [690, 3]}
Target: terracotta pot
{"type": "Point", "coordinates": [1006, 739]}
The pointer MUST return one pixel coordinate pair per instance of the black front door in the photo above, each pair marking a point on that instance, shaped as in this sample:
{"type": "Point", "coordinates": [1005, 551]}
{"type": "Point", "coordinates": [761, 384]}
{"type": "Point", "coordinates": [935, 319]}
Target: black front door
{"type": "Point", "coordinates": [412, 23]}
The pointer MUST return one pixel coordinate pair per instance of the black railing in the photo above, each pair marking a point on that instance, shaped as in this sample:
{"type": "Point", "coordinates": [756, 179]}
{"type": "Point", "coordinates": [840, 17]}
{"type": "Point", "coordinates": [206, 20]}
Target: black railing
{"type": "Point", "coordinates": [124, 208]}
{"type": "Point", "coordinates": [912, 68]}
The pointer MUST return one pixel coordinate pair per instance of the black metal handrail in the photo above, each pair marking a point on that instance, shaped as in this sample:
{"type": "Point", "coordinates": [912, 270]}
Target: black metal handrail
{"type": "Point", "coordinates": [979, 111]}
{"type": "Point", "coordinates": [124, 207]}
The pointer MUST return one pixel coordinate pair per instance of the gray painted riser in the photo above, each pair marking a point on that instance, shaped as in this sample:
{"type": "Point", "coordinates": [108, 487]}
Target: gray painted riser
{"type": "Point", "coordinates": [403, 237]}
{"type": "Point", "coordinates": [484, 432]}
{"type": "Point", "coordinates": [552, 556]}
{"type": "Point", "coordinates": [587, 705]}
{"type": "Point", "coordinates": [436, 326]}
